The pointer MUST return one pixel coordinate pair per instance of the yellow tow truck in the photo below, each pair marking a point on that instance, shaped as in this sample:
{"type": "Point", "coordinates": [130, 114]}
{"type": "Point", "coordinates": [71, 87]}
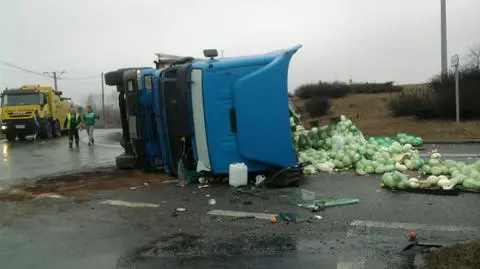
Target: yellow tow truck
{"type": "Point", "coordinates": [18, 107]}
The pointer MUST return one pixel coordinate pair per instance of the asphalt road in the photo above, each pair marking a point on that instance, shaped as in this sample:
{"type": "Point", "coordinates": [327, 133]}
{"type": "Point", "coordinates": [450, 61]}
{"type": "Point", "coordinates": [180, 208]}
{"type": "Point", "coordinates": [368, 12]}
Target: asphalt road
{"type": "Point", "coordinates": [23, 160]}
{"type": "Point", "coordinates": [137, 228]}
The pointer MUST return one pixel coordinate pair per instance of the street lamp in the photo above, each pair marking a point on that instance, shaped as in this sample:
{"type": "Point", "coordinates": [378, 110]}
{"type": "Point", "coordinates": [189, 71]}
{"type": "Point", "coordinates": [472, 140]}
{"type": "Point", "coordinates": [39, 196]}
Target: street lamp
{"type": "Point", "coordinates": [443, 29]}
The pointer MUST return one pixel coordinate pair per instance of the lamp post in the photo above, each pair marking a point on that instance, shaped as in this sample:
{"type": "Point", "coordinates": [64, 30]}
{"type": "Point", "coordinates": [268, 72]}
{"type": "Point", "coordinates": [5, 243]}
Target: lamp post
{"type": "Point", "coordinates": [443, 29]}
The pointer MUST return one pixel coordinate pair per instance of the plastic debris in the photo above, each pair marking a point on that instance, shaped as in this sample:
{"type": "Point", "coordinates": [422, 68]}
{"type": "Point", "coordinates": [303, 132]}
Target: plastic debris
{"type": "Point", "coordinates": [286, 216]}
{"type": "Point", "coordinates": [212, 201]}
{"type": "Point", "coordinates": [203, 186]}
{"type": "Point", "coordinates": [259, 179]}
{"type": "Point", "coordinates": [180, 209]}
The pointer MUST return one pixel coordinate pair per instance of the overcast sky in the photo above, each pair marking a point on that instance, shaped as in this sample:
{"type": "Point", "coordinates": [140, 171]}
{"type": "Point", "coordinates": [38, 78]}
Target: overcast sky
{"type": "Point", "coordinates": [365, 40]}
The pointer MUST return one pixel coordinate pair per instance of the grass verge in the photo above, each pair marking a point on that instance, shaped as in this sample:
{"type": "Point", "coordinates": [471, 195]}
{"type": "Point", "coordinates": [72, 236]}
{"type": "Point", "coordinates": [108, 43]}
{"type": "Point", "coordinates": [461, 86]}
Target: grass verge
{"type": "Point", "coordinates": [371, 114]}
{"type": "Point", "coordinates": [464, 256]}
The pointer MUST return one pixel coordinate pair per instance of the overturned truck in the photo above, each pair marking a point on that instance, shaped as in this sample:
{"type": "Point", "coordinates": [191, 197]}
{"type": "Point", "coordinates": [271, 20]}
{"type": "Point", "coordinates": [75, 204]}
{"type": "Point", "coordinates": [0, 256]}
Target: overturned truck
{"type": "Point", "coordinates": [202, 115]}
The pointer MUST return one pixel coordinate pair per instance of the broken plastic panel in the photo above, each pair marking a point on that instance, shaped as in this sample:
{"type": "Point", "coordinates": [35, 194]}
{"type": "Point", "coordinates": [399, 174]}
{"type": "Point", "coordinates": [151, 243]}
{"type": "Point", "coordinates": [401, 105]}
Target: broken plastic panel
{"type": "Point", "coordinates": [309, 200]}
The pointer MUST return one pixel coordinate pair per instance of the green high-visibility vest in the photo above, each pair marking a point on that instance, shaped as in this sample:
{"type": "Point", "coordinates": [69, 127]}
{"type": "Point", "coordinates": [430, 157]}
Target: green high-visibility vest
{"type": "Point", "coordinates": [69, 120]}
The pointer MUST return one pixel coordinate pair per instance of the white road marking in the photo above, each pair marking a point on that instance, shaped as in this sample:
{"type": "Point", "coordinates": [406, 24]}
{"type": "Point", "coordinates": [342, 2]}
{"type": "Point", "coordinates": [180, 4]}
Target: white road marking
{"type": "Point", "coordinates": [412, 226]}
{"type": "Point", "coordinates": [171, 181]}
{"type": "Point", "coordinates": [49, 195]}
{"type": "Point", "coordinates": [128, 204]}
{"type": "Point", "coordinates": [352, 262]}
{"type": "Point", "coordinates": [240, 214]}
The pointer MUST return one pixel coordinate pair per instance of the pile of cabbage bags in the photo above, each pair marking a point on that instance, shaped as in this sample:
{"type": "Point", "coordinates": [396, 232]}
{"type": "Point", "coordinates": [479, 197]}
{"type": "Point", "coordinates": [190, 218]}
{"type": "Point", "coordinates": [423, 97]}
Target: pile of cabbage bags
{"type": "Point", "coordinates": [342, 147]}
{"type": "Point", "coordinates": [401, 138]}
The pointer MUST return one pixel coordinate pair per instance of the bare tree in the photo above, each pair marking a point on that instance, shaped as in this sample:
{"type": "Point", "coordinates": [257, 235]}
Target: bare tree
{"type": "Point", "coordinates": [473, 58]}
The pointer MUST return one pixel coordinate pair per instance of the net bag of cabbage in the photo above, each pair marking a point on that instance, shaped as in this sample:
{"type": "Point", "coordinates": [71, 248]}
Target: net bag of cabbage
{"type": "Point", "coordinates": [342, 146]}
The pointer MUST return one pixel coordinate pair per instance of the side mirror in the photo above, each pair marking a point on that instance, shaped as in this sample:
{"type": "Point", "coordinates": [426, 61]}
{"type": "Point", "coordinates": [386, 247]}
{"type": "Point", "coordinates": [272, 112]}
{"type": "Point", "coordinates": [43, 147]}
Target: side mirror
{"type": "Point", "coordinates": [58, 93]}
{"type": "Point", "coordinates": [210, 53]}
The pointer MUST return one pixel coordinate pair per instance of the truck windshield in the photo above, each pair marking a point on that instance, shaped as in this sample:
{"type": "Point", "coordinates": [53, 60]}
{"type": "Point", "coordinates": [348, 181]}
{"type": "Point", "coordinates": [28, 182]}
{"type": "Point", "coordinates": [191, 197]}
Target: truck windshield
{"type": "Point", "coordinates": [20, 99]}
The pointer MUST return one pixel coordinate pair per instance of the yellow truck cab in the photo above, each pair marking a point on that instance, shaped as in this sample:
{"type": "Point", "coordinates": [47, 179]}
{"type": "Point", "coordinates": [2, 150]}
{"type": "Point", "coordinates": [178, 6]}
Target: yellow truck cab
{"type": "Point", "coordinates": [19, 107]}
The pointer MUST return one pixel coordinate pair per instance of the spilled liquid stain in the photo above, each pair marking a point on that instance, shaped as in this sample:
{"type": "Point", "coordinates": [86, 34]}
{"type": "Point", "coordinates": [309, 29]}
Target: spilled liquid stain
{"type": "Point", "coordinates": [184, 250]}
{"type": "Point", "coordinates": [188, 245]}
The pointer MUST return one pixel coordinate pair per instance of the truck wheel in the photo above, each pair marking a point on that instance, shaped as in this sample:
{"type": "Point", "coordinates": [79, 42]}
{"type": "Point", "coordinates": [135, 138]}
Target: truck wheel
{"type": "Point", "coordinates": [125, 161]}
{"type": "Point", "coordinates": [10, 137]}
{"type": "Point", "coordinates": [114, 78]}
{"type": "Point", "coordinates": [49, 130]}
{"type": "Point", "coordinates": [45, 131]}
{"type": "Point", "coordinates": [56, 130]}
{"type": "Point", "coordinates": [21, 137]}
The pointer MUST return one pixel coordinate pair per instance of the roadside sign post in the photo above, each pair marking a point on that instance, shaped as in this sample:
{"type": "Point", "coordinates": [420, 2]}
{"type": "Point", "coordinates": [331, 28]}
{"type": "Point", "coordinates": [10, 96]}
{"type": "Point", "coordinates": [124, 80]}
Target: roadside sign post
{"type": "Point", "coordinates": [455, 62]}
{"type": "Point", "coordinates": [103, 102]}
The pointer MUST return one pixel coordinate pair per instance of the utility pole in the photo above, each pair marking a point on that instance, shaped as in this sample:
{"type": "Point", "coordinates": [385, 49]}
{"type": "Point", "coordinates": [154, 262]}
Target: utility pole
{"type": "Point", "coordinates": [443, 29]}
{"type": "Point", "coordinates": [103, 103]}
{"type": "Point", "coordinates": [55, 77]}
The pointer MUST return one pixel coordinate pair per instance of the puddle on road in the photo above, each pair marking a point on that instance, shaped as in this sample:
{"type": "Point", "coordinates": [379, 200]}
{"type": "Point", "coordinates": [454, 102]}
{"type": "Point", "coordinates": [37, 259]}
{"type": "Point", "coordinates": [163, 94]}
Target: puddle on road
{"type": "Point", "coordinates": [253, 251]}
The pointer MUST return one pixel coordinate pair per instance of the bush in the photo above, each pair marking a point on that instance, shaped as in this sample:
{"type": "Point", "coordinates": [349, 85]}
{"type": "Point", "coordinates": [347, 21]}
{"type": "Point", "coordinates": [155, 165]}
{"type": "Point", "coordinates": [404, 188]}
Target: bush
{"type": "Point", "coordinates": [317, 106]}
{"type": "Point", "coordinates": [419, 102]}
{"type": "Point", "coordinates": [375, 87]}
{"type": "Point", "coordinates": [438, 100]}
{"type": "Point", "coordinates": [322, 89]}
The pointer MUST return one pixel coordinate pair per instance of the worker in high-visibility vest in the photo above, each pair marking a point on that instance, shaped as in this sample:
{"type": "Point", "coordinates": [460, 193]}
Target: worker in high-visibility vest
{"type": "Point", "coordinates": [72, 123]}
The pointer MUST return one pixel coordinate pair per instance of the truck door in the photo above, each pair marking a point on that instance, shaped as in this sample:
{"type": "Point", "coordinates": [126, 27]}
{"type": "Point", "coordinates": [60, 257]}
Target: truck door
{"type": "Point", "coordinates": [175, 93]}
{"type": "Point", "coordinates": [135, 121]}
{"type": "Point", "coordinates": [260, 115]}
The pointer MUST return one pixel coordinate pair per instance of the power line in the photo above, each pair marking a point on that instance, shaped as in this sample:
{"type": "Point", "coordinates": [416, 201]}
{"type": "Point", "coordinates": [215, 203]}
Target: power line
{"type": "Point", "coordinates": [55, 77]}
{"type": "Point", "coordinates": [79, 78]}
{"type": "Point", "coordinates": [48, 74]}
{"type": "Point", "coordinates": [23, 69]}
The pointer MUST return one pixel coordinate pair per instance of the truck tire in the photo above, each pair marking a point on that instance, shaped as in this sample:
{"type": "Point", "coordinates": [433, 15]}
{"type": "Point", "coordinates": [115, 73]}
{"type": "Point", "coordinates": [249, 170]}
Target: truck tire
{"type": "Point", "coordinates": [125, 161]}
{"type": "Point", "coordinates": [56, 130]}
{"type": "Point", "coordinates": [10, 137]}
{"type": "Point", "coordinates": [46, 131]}
{"type": "Point", "coordinates": [114, 78]}
{"type": "Point", "coordinates": [21, 137]}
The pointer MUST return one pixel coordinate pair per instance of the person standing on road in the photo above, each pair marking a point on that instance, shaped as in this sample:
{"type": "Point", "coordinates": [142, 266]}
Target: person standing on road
{"type": "Point", "coordinates": [72, 123]}
{"type": "Point", "coordinates": [89, 118]}
{"type": "Point", "coordinates": [36, 117]}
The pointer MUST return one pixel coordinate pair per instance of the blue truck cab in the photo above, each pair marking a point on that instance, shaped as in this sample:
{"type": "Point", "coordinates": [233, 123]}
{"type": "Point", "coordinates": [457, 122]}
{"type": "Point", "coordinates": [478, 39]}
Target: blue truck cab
{"type": "Point", "coordinates": [153, 144]}
{"type": "Point", "coordinates": [134, 86]}
{"type": "Point", "coordinates": [221, 111]}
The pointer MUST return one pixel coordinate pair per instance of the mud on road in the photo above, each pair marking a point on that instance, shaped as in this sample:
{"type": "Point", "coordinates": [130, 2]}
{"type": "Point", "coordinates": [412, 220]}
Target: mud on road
{"type": "Point", "coordinates": [74, 184]}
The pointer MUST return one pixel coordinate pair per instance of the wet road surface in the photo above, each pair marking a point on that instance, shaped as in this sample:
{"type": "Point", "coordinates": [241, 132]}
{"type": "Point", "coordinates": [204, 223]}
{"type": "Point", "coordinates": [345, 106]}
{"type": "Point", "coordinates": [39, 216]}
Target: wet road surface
{"type": "Point", "coordinates": [90, 230]}
{"type": "Point", "coordinates": [28, 159]}
{"type": "Point", "coordinates": [138, 227]}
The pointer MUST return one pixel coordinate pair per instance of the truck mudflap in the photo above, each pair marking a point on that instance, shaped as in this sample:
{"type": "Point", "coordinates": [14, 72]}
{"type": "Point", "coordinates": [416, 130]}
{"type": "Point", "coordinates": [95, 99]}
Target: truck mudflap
{"type": "Point", "coordinates": [260, 115]}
